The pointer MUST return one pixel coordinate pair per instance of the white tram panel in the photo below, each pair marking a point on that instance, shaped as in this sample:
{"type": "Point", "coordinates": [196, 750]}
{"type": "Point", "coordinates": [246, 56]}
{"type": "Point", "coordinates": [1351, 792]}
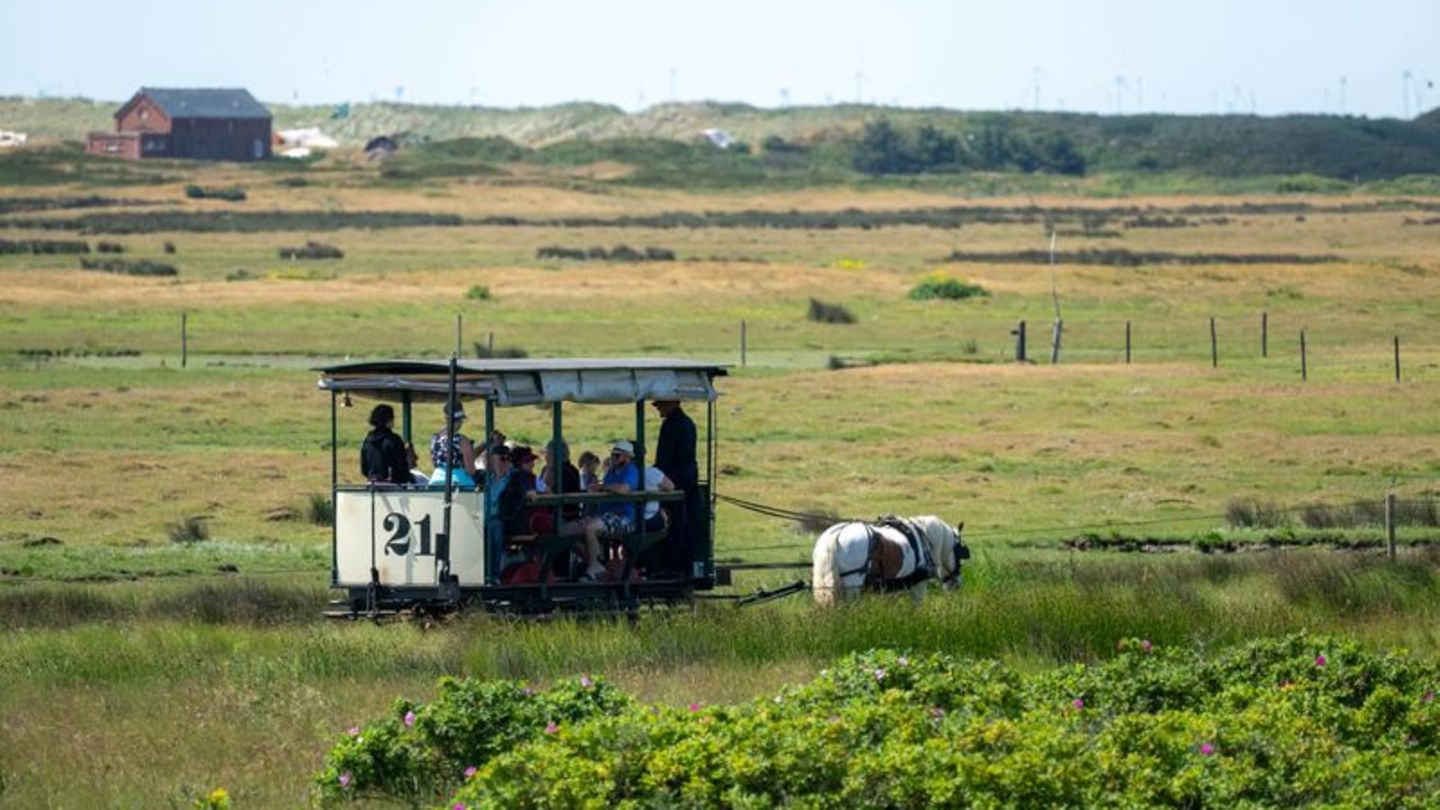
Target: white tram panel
{"type": "Point", "coordinates": [407, 529]}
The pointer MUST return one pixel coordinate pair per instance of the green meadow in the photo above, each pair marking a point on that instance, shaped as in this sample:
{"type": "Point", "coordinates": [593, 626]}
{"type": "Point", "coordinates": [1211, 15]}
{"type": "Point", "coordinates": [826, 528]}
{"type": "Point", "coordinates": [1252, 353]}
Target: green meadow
{"type": "Point", "coordinates": [144, 666]}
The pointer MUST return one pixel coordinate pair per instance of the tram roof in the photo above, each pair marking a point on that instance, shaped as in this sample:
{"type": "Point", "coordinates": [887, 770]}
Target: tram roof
{"type": "Point", "coordinates": [529, 381]}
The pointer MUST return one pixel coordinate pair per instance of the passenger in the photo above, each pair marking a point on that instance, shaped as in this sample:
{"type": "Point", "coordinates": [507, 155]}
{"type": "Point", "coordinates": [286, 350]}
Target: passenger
{"type": "Point", "coordinates": [513, 507]}
{"type": "Point", "coordinates": [498, 460]}
{"type": "Point", "coordinates": [496, 439]}
{"type": "Point", "coordinates": [616, 520]}
{"type": "Point", "coordinates": [453, 452]}
{"type": "Point", "coordinates": [589, 470]}
{"type": "Point", "coordinates": [570, 485]}
{"type": "Point", "coordinates": [384, 457]}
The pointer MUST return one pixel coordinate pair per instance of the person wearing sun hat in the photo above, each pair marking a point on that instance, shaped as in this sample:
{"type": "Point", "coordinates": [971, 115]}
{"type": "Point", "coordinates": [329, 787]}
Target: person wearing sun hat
{"type": "Point", "coordinates": [456, 451]}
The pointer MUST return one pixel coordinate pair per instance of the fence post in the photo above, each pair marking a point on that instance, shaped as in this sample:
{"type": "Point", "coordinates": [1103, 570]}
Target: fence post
{"type": "Point", "coordinates": [1264, 334]}
{"type": "Point", "coordinates": [1019, 333]}
{"type": "Point", "coordinates": [743, 348]}
{"type": "Point", "coordinates": [1214, 348]}
{"type": "Point", "coordinates": [1055, 341]}
{"type": "Point", "coordinates": [1390, 517]}
{"type": "Point", "coordinates": [184, 340]}
{"type": "Point", "coordinates": [1397, 358]}
{"type": "Point", "coordinates": [459, 333]}
{"type": "Point", "coordinates": [1127, 343]}
{"type": "Point", "coordinates": [489, 344]}
{"type": "Point", "coordinates": [1304, 366]}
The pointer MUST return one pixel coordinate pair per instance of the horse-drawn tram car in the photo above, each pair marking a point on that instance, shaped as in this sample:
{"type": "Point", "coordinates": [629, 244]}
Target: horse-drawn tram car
{"type": "Point", "coordinates": [437, 544]}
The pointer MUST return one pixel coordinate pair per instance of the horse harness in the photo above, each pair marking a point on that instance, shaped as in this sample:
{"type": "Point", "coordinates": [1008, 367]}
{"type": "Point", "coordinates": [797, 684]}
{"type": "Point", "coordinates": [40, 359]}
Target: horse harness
{"type": "Point", "coordinates": [883, 563]}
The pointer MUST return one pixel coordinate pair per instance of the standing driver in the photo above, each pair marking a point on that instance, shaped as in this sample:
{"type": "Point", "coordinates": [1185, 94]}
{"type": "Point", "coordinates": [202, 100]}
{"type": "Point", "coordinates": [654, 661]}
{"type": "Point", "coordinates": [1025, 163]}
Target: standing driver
{"type": "Point", "coordinates": [675, 456]}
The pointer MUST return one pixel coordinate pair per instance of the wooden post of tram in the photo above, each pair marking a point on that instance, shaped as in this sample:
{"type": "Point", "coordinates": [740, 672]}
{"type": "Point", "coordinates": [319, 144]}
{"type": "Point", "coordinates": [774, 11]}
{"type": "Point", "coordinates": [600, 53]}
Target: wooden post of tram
{"type": "Point", "coordinates": [184, 340]}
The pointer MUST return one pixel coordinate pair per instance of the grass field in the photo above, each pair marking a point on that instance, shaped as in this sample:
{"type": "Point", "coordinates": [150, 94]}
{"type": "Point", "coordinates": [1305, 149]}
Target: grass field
{"type": "Point", "coordinates": [142, 672]}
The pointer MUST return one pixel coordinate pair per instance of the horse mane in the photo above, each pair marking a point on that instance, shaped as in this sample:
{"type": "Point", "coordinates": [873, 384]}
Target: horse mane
{"type": "Point", "coordinates": [938, 534]}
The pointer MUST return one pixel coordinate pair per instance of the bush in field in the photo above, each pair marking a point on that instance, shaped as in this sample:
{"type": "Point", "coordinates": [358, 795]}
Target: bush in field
{"type": "Point", "coordinates": [1294, 721]}
{"type": "Point", "coordinates": [189, 530]}
{"type": "Point", "coordinates": [821, 312]}
{"type": "Point", "coordinates": [421, 752]}
{"type": "Point", "coordinates": [227, 193]}
{"type": "Point", "coordinates": [478, 292]}
{"type": "Point", "coordinates": [312, 250]}
{"type": "Point", "coordinates": [942, 286]}
{"type": "Point", "coordinates": [125, 267]}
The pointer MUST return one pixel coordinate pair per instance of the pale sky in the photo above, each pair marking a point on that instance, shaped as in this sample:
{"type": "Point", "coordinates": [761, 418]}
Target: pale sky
{"type": "Point", "coordinates": [1269, 56]}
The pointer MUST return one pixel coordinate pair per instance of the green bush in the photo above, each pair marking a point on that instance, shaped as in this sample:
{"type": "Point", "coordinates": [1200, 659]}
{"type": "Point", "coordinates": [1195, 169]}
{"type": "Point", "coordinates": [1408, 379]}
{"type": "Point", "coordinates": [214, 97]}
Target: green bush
{"type": "Point", "coordinates": [1293, 721]}
{"type": "Point", "coordinates": [942, 286]}
{"type": "Point", "coordinates": [821, 312]}
{"type": "Point", "coordinates": [478, 292]}
{"type": "Point", "coordinates": [320, 509]}
{"type": "Point", "coordinates": [227, 193]}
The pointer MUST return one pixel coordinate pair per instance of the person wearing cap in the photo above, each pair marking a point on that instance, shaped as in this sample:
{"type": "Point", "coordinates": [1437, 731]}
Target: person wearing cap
{"type": "Point", "coordinates": [514, 505]}
{"type": "Point", "coordinates": [455, 453]}
{"type": "Point", "coordinates": [675, 456]}
{"type": "Point", "coordinates": [384, 457]}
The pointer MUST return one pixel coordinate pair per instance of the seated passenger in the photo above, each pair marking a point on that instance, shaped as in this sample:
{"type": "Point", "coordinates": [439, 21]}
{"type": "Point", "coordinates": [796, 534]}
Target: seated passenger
{"type": "Point", "coordinates": [498, 463]}
{"type": "Point", "coordinates": [513, 506]}
{"type": "Point", "coordinates": [616, 520]}
{"type": "Point", "coordinates": [455, 453]}
{"type": "Point", "coordinates": [384, 457]}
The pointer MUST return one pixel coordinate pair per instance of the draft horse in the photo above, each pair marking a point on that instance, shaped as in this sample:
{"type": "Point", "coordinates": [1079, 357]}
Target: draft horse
{"type": "Point", "coordinates": [892, 554]}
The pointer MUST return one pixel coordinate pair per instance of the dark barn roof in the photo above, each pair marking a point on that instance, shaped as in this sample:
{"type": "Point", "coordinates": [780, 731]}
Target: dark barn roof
{"type": "Point", "coordinates": [204, 102]}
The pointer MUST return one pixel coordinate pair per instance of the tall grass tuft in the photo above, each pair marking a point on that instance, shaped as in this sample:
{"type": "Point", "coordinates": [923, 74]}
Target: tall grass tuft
{"type": "Point", "coordinates": [483, 351]}
{"type": "Point", "coordinates": [189, 530]}
{"type": "Point", "coordinates": [1255, 513]}
{"type": "Point", "coordinates": [320, 510]}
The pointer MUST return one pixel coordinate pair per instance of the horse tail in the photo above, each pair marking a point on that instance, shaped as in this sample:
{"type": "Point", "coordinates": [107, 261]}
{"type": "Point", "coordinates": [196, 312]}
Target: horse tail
{"type": "Point", "coordinates": [825, 571]}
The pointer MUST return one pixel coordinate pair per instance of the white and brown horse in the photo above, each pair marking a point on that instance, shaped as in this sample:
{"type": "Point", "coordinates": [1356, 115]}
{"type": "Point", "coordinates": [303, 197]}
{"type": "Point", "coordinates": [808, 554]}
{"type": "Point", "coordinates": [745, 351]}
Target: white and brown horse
{"type": "Point", "coordinates": [889, 555]}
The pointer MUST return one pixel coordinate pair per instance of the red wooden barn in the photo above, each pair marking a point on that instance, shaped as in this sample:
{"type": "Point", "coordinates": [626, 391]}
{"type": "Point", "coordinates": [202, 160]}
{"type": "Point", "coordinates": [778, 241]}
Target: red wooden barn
{"type": "Point", "coordinates": [199, 124]}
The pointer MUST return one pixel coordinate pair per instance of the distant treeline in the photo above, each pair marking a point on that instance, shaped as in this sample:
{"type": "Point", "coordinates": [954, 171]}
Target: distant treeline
{"type": "Point", "coordinates": [1119, 257]}
{"type": "Point", "coordinates": [18, 205]}
{"type": "Point", "coordinates": [619, 253]}
{"type": "Point", "coordinates": [1091, 218]}
{"type": "Point", "coordinates": [237, 221]}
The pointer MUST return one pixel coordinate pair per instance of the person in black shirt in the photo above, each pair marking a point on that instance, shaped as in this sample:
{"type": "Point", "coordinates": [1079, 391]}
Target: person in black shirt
{"type": "Point", "coordinates": [384, 458]}
{"type": "Point", "coordinates": [675, 456]}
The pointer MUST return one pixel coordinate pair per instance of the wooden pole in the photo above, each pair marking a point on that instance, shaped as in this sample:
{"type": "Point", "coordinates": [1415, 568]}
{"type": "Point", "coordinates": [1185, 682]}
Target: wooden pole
{"type": "Point", "coordinates": [489, 350]}
{"type": "Point", "coordinates": [1264, 334]}
{"type": "Point", "coordinates": [184, 340]}
{"type": "Point", "coordinates": [1397, 358]}
{"type": "Point", "coordinates": [1019, 334]}
{"type": "Point", "coordinates": [1055, 341]}
{"type": "Point", "coordinates": [1304, 365]}
{"type": "Point", "coordinates": [1390, 516]}
{"type": "Point", "coordinates": [1127, 343]}
{"type": "Point", "coordinates": [1214, 347]}
{"type": "Point", "coordinates": [743, 347]}
{"type": "Point", "coordinates": [459, 333]}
